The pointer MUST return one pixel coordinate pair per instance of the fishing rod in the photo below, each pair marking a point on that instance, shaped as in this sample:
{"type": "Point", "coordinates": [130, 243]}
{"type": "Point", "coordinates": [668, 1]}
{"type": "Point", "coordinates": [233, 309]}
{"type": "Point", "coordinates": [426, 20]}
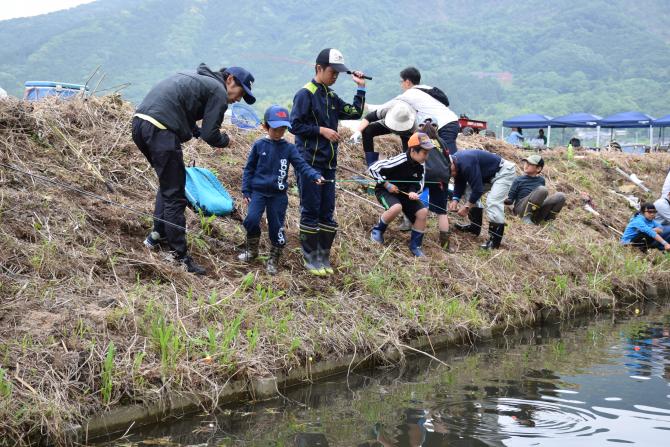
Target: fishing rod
{"type": "Point", "coordinates": [363, 76]}
{"type": "Point", "coordinates": [106, 200]}
{"type": "Point", "coordinates": [407, 194]}
{"type": "Point", "coordinates": [392, 181]}
{"type": "Point", "coordinates": [373, 181]}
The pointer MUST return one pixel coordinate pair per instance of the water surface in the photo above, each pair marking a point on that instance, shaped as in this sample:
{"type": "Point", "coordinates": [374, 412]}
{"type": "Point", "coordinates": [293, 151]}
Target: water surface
{"type": "Point", "coordinates": [605, 382]}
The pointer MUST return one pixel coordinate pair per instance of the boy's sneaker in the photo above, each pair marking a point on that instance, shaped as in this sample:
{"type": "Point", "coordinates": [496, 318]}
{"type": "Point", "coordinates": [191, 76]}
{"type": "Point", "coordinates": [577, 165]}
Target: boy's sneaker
{"type": "Point", "coordinates": [191, 265]}
{"type": "Point", "coordinates": [154, 240]}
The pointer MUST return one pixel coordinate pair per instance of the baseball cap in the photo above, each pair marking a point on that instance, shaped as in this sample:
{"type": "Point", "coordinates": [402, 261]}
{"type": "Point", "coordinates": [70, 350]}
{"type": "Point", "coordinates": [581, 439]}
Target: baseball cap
{"type": "Point", "coordinates": [534, 159]}
{"type": "Point", "coordinates": [276, 116]}
{"type": "Point", "coordinates": [246, 79]}
{"type": "Point", "coordinates": [420, 139]}
{"type": "Point", "coordinates": [332, 57]}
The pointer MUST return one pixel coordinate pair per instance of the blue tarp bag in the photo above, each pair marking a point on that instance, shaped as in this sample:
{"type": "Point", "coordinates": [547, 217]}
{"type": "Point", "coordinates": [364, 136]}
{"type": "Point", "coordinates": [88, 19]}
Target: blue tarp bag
{"type": "Point", "coordinates": [206, 194]}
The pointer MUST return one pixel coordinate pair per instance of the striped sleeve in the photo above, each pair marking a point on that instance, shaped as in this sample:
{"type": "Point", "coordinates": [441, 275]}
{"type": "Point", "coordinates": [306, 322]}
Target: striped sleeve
{"type": "Point", "coordinates": [378, 168]}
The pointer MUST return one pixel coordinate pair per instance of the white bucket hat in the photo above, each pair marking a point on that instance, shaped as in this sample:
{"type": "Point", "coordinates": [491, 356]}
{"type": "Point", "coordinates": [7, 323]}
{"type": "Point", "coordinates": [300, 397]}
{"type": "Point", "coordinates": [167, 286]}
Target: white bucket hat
{"type": "Point", "coordinates": [401, 117]}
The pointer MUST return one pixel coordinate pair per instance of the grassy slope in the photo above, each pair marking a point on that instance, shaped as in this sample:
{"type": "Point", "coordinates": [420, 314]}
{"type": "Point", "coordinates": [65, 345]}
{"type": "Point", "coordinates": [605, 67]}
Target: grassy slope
{"type": "Point", "coordinates": [75, 278]}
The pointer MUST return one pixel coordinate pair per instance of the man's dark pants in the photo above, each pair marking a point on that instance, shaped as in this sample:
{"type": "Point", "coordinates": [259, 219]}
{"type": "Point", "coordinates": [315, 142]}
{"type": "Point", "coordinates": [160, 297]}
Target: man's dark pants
{"type": "Point", "coordinates": [449, 133]}
{"type": "Point", "coordinates": [377, 128]}
{"type": "Point", "coordinates": [162, 149]}
{"type": "Point", "coordinates": [317, 202]}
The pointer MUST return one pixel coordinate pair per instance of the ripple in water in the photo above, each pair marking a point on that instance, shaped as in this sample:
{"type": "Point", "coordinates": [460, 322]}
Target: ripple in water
{"type": "Point", "coordinates": [503, 418]}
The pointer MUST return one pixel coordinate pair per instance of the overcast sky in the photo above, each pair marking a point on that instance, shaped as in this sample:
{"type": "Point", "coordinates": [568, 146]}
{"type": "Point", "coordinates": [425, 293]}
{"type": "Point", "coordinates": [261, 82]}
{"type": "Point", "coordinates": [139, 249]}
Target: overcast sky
{"type": "Point", "coordinates": [25, 8]}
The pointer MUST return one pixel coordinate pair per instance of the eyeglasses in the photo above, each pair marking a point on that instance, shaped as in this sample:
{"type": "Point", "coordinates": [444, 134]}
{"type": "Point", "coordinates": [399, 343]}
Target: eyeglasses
{"type": "Point", "coordinates": [650, 211]}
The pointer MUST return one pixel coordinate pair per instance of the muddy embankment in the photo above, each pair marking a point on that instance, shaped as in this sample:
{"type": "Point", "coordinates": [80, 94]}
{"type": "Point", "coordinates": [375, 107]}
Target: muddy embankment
{"type": "Point", "coordinates": [90, 321]}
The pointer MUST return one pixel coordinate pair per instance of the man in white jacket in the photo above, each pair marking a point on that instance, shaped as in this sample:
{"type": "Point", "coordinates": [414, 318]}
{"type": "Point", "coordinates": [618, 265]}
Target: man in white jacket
{"type": "Point", "coordinates": [429, 102]}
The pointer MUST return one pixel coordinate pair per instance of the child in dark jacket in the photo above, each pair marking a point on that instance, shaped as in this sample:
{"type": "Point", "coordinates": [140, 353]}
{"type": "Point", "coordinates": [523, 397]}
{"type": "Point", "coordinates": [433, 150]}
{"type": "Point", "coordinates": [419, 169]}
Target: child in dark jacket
{"type": "Point", "coordinates": [264, 185]}
{"type": "Point", "coordinates": [400, 179]}
{"type": "Point", "coordinates": [530, 198]}
{"type": "Point", "coordinates": [314, 118]}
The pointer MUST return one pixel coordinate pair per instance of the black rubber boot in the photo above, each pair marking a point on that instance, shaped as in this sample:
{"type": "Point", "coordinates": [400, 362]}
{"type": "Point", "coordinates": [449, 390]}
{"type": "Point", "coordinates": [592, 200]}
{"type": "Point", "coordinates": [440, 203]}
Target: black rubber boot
{"type": "Point", "coordinates": [251, 249]}
{"type": "Point", "coordinates": [326, 238]}
{"type": "Point", "coordinates": [495, 236]}
{"type": "Point", "coordinates": [273, 261]}
{"type": "Point", "coordinates": [476, 216]}
{"type": "Point", "coordinates": [309, 239]}
{"type": "Point", "coordinates": [444, 240]}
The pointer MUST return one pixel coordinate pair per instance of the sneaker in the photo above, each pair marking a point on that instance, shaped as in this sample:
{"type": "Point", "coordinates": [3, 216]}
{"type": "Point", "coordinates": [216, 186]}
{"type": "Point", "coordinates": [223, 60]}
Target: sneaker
{"type": "Point", "coordinates": [154, 240]}
{"type": "Point", "coordinates": [191, 266]}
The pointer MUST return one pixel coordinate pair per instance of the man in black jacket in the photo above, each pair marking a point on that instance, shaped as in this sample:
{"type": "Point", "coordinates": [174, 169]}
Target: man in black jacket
{"type": "Point", "coordinates": [166, 118]}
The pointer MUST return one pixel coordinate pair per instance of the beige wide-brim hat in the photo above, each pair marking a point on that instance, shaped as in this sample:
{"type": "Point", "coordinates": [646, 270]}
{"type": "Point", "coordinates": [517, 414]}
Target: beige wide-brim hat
{"type": "Point", "coordinates": [401, 117]}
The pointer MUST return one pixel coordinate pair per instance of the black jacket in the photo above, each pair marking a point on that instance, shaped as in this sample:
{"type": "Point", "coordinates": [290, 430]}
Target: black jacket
{"type": "Point", "coordinates": [438, 163]}
{"type": "Point", "coordinates": [401, 170]}
{"type": "Point", "coordinates": [315, 106]}
{"type": "Point", "coordinates": [186, 97]}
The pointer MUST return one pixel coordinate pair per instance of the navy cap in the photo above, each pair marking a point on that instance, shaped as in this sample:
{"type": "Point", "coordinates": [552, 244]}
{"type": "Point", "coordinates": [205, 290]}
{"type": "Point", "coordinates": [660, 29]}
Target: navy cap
{"type": "Point", "coordinates": [246, 79]}
{"type": "Point", "coordinates": [277, 116]}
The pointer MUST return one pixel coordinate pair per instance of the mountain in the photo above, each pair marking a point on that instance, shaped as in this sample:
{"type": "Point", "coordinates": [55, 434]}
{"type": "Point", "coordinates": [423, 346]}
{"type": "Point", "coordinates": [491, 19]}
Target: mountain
{"type": "Point", "coordinates": [494, 58]}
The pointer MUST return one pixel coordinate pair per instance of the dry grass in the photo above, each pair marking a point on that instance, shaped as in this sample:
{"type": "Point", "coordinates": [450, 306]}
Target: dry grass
{"type": "Point", "coordinates": [74, 276]}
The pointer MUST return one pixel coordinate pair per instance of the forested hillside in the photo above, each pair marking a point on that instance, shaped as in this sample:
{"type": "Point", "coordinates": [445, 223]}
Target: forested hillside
{"type": "Point", "coordinates": [494, 58]}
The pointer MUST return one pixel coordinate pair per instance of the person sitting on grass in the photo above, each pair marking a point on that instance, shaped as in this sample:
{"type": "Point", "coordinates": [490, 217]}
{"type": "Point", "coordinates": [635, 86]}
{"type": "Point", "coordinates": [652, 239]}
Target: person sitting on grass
{"type": "Point", "coordinates": [407, 171]}
{"type": "Point", "coordinates": [264, 185]}
{"type": "Point", "coordinates": [530, 198]}
{"type": "Point", "coordinates": [644, 233]}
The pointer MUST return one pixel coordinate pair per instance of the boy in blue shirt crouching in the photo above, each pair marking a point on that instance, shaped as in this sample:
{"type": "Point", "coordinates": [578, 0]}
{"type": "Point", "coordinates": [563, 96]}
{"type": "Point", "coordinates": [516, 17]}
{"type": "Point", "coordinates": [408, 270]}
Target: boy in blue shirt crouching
{"type": "Point", "coordinates": [264, 185]}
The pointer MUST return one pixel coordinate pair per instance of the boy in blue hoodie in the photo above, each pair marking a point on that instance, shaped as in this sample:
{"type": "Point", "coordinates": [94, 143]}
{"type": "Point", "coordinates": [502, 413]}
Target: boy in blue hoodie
{"type": "Point", "coordinates": [642, 232]}
{"type": "Point", "coordinates": [314, 118]}
{"type": "Point", "coordinates": [264, 185]}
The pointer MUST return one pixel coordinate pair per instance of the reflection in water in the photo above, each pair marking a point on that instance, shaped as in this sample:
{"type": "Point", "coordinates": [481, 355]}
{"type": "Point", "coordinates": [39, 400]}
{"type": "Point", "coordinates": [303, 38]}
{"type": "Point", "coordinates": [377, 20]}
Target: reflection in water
{"type": "Point", "coordinates": [601, 384]}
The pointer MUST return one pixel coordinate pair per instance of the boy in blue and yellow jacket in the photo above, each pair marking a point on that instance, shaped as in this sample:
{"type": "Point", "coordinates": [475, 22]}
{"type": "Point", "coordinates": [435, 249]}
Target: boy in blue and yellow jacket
{"type": "Point", "coordinates": [314, 118]}
{"type": "Point", "coordinates": [264, 185]}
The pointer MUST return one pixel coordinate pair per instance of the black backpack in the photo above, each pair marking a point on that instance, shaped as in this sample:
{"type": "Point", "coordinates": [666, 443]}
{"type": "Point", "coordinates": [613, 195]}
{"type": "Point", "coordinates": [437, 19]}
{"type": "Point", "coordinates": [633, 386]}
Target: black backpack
{"type": "Point", "coordinates": [437, 94]}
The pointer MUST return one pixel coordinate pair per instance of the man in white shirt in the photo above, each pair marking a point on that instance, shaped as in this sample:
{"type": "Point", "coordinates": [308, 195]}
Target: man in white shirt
{"type": "Point", "coordinates": [429, 102]}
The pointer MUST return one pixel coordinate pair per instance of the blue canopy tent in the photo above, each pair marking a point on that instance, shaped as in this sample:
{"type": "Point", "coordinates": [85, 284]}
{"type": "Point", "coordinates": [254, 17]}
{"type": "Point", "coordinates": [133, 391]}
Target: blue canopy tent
{"type": "Point", "coordinates": [580, 119]}
{"type": "Point", "coordinates": [629, 120]}
{"type": "Point", "coordinates": [530, 121]}
{"type": "Point", "coordinates": [661, 123]}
